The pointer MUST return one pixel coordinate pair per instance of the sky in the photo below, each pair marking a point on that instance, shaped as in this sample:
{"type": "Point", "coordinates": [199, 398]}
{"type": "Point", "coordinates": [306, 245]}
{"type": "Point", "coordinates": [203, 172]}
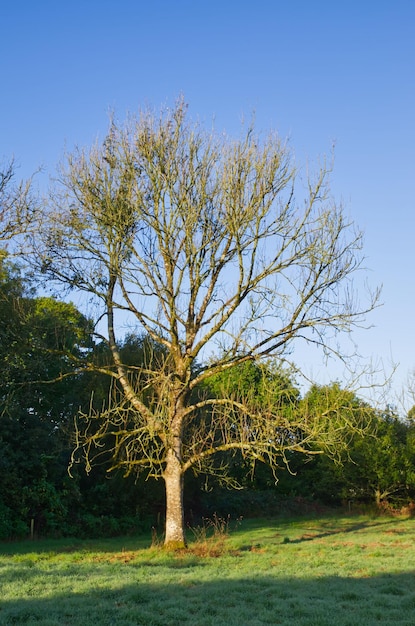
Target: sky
{"type": "Point", "coordinates": [320, 73]}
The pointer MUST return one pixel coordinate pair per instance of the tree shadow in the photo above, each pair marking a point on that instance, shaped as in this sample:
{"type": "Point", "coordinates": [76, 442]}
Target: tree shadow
{"type": "Point", "coordinates": [346, 529]}
{"type": "Point", "coordinates": [324, 527]}
{"type": "Point", "coordinates": [244, 601]}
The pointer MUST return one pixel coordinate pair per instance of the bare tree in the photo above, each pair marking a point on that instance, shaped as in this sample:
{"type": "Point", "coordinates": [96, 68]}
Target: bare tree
{"type": "Point", "coordinates": [202, 241]}
{"type": "Point", "coordinates": [16, 203]}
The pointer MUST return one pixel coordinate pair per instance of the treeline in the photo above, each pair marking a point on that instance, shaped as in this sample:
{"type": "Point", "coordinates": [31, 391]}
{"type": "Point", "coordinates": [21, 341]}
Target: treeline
{"type": "Point", "coordinates": [52, 374]}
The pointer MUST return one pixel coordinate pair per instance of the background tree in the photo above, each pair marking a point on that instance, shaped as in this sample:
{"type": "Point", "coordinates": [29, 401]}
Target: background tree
{"type": "Point", "coordinates": [17, 204]}
{"type": "Point", "coordinates": [42, 341]}
{"type": "Point", "coordinates": [377, 468]}
{"type": "Point", "coordinates": [382, 470]}
{"type": "Point", "coordinates": [256, 384]}
{"type": "Point", "coordinates": [201, 242]}
{"type": "Point", "coordinates": [329, 478]}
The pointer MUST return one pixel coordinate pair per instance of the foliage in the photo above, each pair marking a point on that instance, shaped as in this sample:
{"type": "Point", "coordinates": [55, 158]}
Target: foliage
{"type": "Point", "coordinates": [382, 469]}
{"type": "Point", "coordinates": [378, 467]}
{"type": "Point", "coordinates": [41, 343]}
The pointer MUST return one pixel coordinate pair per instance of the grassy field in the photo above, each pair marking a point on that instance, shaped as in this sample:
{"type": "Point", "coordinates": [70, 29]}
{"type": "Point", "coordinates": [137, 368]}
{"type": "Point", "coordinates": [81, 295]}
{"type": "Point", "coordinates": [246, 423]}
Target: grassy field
{"type": "Point", "coordinates": [307, 572]}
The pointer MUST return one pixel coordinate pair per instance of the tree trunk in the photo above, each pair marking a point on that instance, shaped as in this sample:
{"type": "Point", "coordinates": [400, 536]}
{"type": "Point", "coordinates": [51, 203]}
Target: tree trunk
{"type": "Point", "coordinates": [173, 477]}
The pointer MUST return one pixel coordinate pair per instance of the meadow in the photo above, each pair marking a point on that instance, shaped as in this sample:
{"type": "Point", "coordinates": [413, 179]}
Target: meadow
{"type": "Point", "coordinates": [342, 571]}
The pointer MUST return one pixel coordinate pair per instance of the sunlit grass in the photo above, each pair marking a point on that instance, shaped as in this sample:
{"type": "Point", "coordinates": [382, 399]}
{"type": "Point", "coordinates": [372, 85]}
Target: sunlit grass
{"type": "Point", "coordinates": [308, 572]}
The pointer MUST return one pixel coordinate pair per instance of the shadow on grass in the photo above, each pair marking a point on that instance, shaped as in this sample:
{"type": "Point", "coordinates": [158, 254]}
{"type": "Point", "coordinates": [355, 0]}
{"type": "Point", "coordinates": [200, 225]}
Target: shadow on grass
{"type": "Point", "coordinates": [71, 544]}
{"type": "Point", "coordinates": [299, 530]}
{"type": "Point", "coordinates": [346, 529]}
{"type": "Point", "coordinates": [244, 601]}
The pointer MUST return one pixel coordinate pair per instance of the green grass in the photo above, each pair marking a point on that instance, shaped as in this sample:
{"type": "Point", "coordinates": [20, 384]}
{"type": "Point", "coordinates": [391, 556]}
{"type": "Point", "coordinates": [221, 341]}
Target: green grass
{"type": "Point", "coordinates": [307, 572]}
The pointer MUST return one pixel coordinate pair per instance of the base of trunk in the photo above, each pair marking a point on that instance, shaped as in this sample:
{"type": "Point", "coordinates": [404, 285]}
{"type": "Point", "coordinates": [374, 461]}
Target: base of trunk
{"type": "Point", "coordinates": [174, 546]}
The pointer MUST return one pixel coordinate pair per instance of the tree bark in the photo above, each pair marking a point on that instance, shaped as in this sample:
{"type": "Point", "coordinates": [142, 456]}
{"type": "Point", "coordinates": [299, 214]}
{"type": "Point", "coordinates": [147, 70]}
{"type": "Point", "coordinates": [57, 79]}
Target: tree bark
{"type": "Point", "coordinates": [173, 477]}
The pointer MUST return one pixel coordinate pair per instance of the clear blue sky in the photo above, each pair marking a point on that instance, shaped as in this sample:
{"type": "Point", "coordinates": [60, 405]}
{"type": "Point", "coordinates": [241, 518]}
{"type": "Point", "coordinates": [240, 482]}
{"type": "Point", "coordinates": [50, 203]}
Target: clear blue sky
{"type": "Point", "coordinates": [317, 71]}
